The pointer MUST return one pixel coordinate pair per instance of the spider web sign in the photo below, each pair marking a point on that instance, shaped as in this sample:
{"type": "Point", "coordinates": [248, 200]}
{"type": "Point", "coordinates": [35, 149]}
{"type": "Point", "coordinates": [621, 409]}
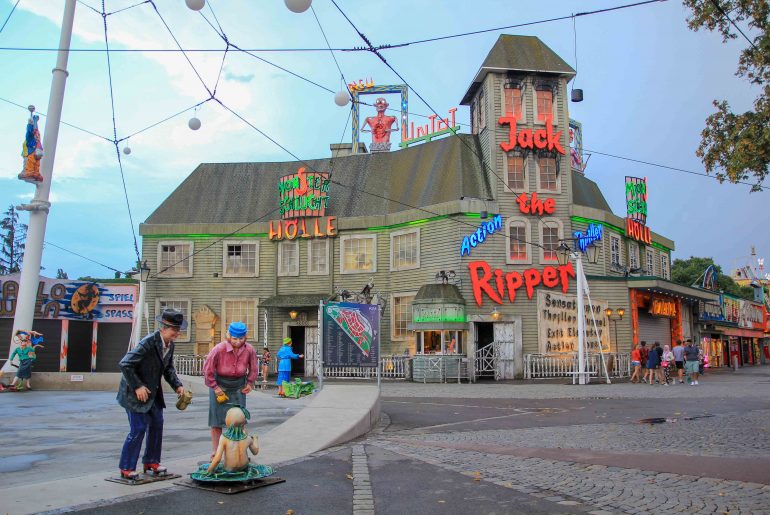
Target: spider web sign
{"type": "Point", "coordinates": [351, 334]}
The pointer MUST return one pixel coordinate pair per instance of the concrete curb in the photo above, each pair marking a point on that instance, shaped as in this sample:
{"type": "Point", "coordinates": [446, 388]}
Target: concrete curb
{"type": "Point", "coordinates": [337, 414]}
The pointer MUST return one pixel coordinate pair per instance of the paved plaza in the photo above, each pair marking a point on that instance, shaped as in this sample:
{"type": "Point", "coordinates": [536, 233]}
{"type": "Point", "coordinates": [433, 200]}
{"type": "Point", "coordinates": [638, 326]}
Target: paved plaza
{"type": "Point", "coordinates": [498, 448]}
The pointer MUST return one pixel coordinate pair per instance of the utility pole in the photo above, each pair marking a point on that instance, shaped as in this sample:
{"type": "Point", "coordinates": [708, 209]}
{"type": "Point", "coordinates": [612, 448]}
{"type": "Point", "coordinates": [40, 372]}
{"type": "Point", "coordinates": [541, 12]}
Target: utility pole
{"type": "Point", "coordinates": [38, 208]}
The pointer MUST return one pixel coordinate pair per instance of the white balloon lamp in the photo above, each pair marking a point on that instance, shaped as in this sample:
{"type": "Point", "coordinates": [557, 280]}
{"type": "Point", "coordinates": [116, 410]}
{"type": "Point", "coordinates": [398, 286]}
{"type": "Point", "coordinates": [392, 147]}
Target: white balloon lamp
{"type": "Point", "coordinates": [298, 6]}
{"type": "Point", "coordinates": [194, 123]}
{"type": "Point", "coordinates": [341, 98]}
{"type": "Point", "coordinates": [127, 150]}
{"type": "Point", "coordinates": [195, 5]}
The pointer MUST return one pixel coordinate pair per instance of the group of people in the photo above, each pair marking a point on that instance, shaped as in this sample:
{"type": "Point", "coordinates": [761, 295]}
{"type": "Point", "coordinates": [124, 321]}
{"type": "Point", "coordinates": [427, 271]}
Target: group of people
{"type": "Point", "coordinates": [230, 372]}
{"type": "Point", "coordinates": [655, 365]}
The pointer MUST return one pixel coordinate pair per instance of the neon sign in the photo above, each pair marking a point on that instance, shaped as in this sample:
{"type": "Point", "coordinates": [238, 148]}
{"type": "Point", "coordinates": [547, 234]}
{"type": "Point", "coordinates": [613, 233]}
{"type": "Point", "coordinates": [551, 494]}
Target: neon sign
{"type": "Point", "coordinates": [303, 194]}
{"type": "Point", "coordinates": [480, 236]}
{"type": "Point", "coordinates": [426, 133]}
{"type": "Point", "coordinates": [636, 205]}
{"type": "Point", "coordinates": [535, 206]}
{"type": "Point", "coordinates": [302, 228]}
{"type": "Point", "coordinates": [482, 274]}
{"type": "Point", "coordinates": [663, 307]}
{"type": "Point", "coordinates": [527, 138]}
{"type": "Point", "coordinates": [638, 231]}
{"type": "Point", "coordinates": [593, 233]}
{"type": "Point", "coordinates": [360, 85]}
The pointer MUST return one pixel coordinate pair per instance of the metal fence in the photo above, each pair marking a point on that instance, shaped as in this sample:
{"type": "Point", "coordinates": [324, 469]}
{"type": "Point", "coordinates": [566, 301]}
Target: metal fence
{"type": "Point", "coordinates": [540, 366]}
{"type": "Point", "coordinates": [395, 367]}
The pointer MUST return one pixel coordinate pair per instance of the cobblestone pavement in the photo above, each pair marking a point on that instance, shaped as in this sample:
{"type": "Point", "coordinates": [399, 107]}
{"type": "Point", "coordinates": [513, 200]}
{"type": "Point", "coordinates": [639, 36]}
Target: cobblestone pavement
{"type": "Point", "coordinates": [743, 435]}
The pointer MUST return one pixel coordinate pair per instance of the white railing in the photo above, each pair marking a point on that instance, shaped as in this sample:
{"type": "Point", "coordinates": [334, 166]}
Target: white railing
{"type": "Point", "coordinates": [395, 367]}
{"type": "Point", "coordinates": [538, 366]}
{"type": "Point", "coordinates": [192, 365]}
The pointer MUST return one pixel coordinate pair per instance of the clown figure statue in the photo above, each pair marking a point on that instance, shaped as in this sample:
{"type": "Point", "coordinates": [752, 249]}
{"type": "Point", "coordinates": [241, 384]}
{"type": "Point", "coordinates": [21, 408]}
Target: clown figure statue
{"type": "Point", "coordinates": [32, 150]}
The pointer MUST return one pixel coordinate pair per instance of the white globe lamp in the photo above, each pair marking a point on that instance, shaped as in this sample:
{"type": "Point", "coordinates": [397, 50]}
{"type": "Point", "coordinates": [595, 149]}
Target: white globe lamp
{"type": "Point", "coordinates": [127, 150]}
{"type": "Point", "coordinates": [194, 123]}
{"type": "Point", "coordinates": [195, 5]}
{"type": "Point", "coordinates": [298, 6]}
{"type": "Point", "coordinates": [341, 98]}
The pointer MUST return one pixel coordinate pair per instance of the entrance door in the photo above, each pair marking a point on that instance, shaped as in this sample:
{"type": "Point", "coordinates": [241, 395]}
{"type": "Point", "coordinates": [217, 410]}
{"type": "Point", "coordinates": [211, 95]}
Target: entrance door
{"type": "Point", "coordinates": [297, 335]}
{"type": "Point", "coordinates": [505, 338]}
{"type": "Point", "coordinates": [311, 351]}
{"type": "Point", "coordinates": [79, 346]}
{"type": "Point", "coordinates": [485, 358]}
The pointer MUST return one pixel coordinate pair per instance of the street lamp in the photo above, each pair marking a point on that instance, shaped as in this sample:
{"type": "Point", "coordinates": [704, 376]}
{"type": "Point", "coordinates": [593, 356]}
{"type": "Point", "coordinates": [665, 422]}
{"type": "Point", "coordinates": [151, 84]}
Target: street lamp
{"type": "Point", "coordinates": [144, 276]}
{"type": "Point", "coordinates": [620, 312]}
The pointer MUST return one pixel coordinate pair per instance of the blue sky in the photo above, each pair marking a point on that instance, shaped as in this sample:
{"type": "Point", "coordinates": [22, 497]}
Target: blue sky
{"type": "Point", "coordinates": [648, 82]}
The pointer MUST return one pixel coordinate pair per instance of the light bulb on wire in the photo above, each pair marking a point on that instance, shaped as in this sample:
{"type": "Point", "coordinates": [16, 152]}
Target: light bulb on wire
{"type": "Point", "coordinates": [298, 6]}
{"type": "Point", "coordinates": [194, 123]}
{"type": "Point", "coordinates": [195, 5]}
{"type": "Point", "coordinates": [341, 98]}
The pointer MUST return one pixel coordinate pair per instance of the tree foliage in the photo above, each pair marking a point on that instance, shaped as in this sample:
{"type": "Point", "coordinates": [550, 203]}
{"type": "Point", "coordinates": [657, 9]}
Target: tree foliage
{"type": "Point", "coordinates": [689, 272]}
{"type": "Point", "coordinates": [13, 233]}
{"type": "Point", "coordinates": [736, 146]}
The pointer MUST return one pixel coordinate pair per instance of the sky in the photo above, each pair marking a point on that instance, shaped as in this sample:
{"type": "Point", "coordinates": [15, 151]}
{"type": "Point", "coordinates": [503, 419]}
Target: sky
{"type": "Point", "coordinates": [648, 81]}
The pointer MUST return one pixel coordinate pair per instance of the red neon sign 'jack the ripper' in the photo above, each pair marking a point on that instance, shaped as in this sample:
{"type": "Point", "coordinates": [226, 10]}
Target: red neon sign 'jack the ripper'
{"type": "Point", "coordinates": [550, 277]}
{"type": "Point", "coordinates": [527, 138]}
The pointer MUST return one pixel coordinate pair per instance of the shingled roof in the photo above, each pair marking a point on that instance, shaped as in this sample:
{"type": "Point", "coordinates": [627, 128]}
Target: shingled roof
{"type": "Point", "coordinates": [586, 192]}
{"type": "Point", "coordinates": [518, 53]}
{"type": "Point", "coordinates": [439, 171]}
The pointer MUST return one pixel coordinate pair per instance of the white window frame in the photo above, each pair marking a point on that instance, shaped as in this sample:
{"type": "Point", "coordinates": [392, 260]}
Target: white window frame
{"type": "Point", "coordinates": [225, 260]}
{"type": "Point", "coordinates": [614, 242]}
{"type": "Point", "coordinates": [347, 237]}
{"type": "Point", "coordinates": [279, 265]}
{"type": "Point", "coordinates": [393, 265]}
{"type": "Point", "coordinates": [554, 107]}
{"type": "Point", "coordinates": [474, 118]}
{"type": "Point", "coordinates": [649, 261]}
{"type": "Point", "coordinates": [525, 160]}
{"type": "Point", "coordinates": [186, 335]}
{"type": "Point", "coordinates": [310, 256]}
{"type": "Point", "coordinates": [537, 176]}
{"type": "Point", "coordinates": [527, 237]}
{"type": "Point", "coordinates": [665, 271]}
{"type": "Point", "coordinates": [634, 260]}
{"type": "Point", "coordinates": [550, 223]}
{"type": "Point", "coordinates": [167, 273]}
{"type": "Point", "coordinates": [255, 326]}
{"type": "Point", "coordinates": [393, 298]}
{"type": "Point", "coordinates": [482, 103]}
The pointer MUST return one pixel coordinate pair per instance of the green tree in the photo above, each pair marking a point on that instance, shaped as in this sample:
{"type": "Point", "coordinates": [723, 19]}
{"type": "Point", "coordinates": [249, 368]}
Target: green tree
{"type": "Point", "coordinates": [689, 272]}
{"type": "Point", "coordinates": [61, 274]}
{"type": "Point", "coordinates": [12, 236]}
{"type": "Point", "coordinates": [736, 146]}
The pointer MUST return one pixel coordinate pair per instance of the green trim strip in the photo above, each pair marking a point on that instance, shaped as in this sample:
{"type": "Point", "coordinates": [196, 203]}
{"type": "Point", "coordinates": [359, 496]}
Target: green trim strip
{"type": "Point", "coordinates": [419, 222]}
{"type": "Point", "coordinates": [203, 236]}
{"type": "Point", "coordinates": [616, 229]}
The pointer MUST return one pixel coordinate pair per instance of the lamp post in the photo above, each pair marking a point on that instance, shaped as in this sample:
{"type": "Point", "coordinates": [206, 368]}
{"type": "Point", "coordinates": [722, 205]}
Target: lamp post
{"type": "Point", "coordinates": [136, 330]}
{"type": "Point", "coordinates": [563, 255]}
{"type": "Point", "coordinates": [620, 312]}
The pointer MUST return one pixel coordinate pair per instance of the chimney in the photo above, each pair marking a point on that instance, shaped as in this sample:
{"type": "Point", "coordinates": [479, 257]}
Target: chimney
{"type": "Point", "coordinates": [346, 149]}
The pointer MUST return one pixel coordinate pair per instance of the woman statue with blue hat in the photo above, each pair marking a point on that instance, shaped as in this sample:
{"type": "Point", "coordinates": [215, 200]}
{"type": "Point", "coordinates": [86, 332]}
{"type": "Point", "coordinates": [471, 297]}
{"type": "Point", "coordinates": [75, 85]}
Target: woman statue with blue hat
{"type": "Point", "coordinates": [285, 355]}
{"type": "Point", "coordinates": [229, 371]}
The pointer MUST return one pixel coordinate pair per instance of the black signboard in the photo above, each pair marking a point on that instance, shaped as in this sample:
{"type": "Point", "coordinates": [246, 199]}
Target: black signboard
{"type": "Point", "coordinates": [351, 334]}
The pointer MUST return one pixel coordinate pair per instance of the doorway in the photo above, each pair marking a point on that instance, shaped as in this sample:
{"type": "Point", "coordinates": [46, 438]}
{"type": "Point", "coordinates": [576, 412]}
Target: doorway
{"type": "Point", "coordinates": [79, 346]}
{"type": "Point", "coordinates": [297, 335]}
{"type": "Point", "coordinates": [485, 358]}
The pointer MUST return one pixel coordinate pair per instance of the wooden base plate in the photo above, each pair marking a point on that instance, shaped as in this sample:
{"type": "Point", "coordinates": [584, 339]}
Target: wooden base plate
{"type": "Point", "coordinates": [231, 488]}
{"type": "Point", "coordinates": [142, 480]}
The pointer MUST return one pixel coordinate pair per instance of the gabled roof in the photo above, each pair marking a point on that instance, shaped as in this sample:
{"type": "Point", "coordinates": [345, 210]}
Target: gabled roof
{"type": "Point", "coordinates": [518, 53]}
{"type": "Point", "coordinates": [432, 173]}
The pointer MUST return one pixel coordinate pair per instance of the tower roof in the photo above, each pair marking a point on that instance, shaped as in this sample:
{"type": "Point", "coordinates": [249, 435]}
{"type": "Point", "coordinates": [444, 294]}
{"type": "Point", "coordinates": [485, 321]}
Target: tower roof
{"type": "Point", "coordinates": [518, 53]}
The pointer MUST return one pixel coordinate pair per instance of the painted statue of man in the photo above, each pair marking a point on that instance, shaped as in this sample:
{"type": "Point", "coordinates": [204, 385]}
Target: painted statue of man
{"type": "Point", "coordinates": [32, 150]}
{"type": "Point", "coordinates": [380, 126]}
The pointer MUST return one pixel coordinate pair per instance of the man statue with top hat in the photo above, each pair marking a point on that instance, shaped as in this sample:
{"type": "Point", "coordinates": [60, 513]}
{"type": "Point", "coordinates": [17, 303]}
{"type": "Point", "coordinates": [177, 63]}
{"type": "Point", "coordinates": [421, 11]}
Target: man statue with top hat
{"type": "Point", "coordinates": [141, 395]}
{"type": "Point", "coordinates": [229, 371]}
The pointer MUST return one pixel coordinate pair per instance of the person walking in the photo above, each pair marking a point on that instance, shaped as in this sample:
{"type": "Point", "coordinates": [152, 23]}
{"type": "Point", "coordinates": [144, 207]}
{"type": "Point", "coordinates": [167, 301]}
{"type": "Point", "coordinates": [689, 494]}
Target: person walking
{"type": "Point", "coordinates": [679, 360]}
{"type": "Point", "coordinates": [644, 353]}
{"type": "Point", "coordinates": [659, 371]}
{"type": "Point", "coordinates": [285, 355]}
{"type": "Point", "coordinates": [691, 362]}
{"type": "Point", "coordinates": [653, 363]}
{"type": "Point", "coordinates": [666, 363]}
{"type": "Point", "coordinates": [265, 363]}
{"type": "Point", "coordinates": [636, 363]}
{"type": "Point", "coordinates": [229, 372]}
{"type": "Point", "coordinates": [141, 395]}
